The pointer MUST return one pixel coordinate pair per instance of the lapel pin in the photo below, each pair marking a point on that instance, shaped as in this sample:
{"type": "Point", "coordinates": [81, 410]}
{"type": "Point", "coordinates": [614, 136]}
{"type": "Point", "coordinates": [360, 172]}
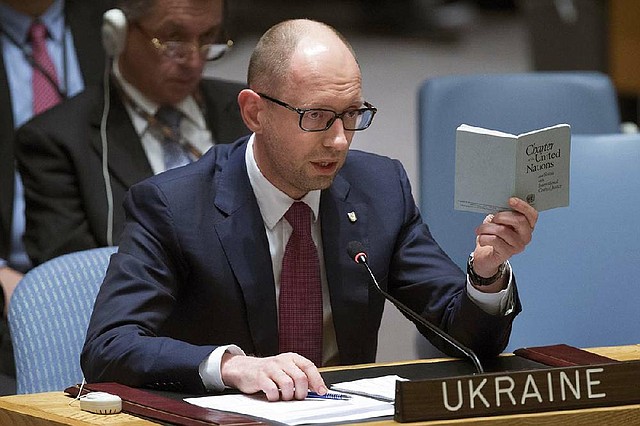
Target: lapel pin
{"type": "Point", "coordinates": [352, 217]}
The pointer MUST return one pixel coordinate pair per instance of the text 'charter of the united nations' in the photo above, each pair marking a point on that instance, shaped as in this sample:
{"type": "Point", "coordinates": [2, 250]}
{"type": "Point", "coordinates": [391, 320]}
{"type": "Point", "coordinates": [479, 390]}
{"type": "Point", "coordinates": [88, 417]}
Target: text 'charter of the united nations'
{"type": "Point", "coordinates": [492, 166]}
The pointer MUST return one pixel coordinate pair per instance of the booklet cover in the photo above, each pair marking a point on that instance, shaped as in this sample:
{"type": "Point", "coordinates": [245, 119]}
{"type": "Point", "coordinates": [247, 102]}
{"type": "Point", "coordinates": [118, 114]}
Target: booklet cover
{"type": "Point", "coordinates": [492, 166]}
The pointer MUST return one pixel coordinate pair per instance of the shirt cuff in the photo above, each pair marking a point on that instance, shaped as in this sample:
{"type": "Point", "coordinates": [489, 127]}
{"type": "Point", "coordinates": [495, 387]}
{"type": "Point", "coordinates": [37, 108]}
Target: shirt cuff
{"type": "Point", "coordinates": [209, 369]}
{"type": "Point", "coordinates": [500, 303]}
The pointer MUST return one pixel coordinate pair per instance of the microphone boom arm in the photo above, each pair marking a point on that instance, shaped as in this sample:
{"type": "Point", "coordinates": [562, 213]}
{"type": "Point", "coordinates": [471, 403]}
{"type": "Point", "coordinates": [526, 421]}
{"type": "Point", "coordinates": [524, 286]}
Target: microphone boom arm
{"type": "Point", "coordinates": [361, 258]}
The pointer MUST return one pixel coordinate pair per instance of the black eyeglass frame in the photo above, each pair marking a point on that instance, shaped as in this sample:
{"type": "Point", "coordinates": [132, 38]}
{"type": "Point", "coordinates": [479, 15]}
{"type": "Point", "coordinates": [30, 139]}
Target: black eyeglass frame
{"type": "Point", "coordinates": [187, 47]}
{"type": "Point", "coordinates": [302, 111]}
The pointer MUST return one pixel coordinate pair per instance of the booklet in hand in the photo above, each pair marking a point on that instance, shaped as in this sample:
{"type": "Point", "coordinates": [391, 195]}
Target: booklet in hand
{"type": "Point", "coordinates": [492, 166]}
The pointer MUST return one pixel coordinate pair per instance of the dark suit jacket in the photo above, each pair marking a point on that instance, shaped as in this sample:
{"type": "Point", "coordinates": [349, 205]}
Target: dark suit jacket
{"type": "Point", "coordinates": [60, 159]}
{"type": "Point", "coordinates": [194, 271]}
{"type": "Point", "coordinates": [84, 18]}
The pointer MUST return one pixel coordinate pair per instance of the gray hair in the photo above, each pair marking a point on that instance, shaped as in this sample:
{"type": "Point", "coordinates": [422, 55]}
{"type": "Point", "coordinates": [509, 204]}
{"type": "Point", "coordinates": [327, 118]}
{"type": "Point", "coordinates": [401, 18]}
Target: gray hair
{"type": "Point", "coordinates": [135, 9]}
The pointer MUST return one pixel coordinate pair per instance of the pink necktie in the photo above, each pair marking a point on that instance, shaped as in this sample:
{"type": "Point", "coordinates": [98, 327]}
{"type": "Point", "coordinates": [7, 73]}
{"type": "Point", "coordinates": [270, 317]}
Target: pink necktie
{"type": "Point", "coordinates": [300, 304]}
{"type": "Point", "coordinates": [45, 92]}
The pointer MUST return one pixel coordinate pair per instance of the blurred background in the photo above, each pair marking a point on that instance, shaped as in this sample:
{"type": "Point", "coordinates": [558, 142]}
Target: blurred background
{"type": "Point", "coordinates": [399, 44]}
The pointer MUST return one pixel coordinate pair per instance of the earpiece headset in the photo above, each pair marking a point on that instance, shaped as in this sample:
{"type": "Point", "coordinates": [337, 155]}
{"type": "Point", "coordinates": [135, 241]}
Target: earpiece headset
{"type": "Point", "coordinates": [114, 31]}
{"type": "Point", "coordinates": [114, 36]}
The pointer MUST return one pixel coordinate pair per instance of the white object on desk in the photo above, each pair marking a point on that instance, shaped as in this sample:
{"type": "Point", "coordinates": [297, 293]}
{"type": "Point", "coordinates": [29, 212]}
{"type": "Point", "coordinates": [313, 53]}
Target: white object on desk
{"type": "Point", "coordinates": [101, 403]}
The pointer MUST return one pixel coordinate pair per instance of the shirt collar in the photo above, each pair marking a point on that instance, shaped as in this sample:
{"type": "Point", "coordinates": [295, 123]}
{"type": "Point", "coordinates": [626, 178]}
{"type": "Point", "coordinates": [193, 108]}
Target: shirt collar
{"type": "Point", "coordinates": [188, 106]}
{"type": "Point", "coordinates": [274, 203]}
{"type": "Point", "coordinates": [17, 24]}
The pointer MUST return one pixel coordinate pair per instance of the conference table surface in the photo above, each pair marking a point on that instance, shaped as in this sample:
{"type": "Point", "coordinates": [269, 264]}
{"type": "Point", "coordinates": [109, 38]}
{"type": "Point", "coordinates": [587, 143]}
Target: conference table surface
{"type": "Point", "coordinates": [56, 408]}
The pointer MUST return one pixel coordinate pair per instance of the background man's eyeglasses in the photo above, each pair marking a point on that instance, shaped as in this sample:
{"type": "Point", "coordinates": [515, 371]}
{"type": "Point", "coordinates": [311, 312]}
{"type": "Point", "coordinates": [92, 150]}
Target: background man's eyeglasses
{"type": "Point", "coordinates": [319, 119]}
{"type": "Point", "coordinates": [180, 51]}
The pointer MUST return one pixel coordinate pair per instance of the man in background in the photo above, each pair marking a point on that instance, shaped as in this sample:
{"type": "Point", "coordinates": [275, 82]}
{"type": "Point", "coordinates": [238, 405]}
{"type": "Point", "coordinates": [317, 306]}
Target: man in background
{"type": "Point", "coordinates": [50, 49]}
{"type": "Point", "coordinates": [155, 112]}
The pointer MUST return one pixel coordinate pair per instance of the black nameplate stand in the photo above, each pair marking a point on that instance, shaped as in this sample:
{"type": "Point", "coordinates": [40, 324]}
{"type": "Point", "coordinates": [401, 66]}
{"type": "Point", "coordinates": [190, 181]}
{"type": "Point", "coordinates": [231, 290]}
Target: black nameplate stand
{"type": "Point", "coordinates": [519, 392]}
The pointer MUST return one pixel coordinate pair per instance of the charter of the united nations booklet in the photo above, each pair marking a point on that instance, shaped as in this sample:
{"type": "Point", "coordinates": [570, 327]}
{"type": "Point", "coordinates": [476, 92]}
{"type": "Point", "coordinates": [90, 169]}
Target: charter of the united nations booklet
{"type": "Point", "coordinates": [492, 166]}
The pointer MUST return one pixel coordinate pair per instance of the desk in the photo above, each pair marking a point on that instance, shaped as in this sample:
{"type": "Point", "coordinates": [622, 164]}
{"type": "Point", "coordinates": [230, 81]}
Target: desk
{"type": "Point", "coordinates": [52, 408]}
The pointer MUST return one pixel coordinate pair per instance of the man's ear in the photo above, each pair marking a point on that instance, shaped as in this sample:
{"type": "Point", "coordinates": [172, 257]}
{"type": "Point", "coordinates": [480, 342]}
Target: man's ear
{"type": "Point", "coordinates": [251, 108]}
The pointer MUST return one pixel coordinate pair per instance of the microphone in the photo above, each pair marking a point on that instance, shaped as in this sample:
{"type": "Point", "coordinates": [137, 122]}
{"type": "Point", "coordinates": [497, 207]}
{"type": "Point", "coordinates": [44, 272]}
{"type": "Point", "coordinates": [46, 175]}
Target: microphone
{"type": "Point", "coordinates": [357, 253]}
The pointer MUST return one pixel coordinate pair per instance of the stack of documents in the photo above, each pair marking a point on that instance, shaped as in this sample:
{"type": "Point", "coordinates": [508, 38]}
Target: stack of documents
{"type": "Point", "coordinates": [378, 403]}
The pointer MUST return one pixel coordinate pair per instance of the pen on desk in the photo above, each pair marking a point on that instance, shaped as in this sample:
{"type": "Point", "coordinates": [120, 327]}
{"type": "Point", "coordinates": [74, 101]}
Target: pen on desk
{"type": "Point", "coordinates": [328, 395]}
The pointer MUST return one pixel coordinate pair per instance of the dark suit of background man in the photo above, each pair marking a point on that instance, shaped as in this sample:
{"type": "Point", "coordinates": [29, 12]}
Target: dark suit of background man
{"type": "Point", "coordinates": [73, 43]}
{"type": "Point", "coordinates": [205, 257]}
{"type": "Point", "coordinates": [61, 152]}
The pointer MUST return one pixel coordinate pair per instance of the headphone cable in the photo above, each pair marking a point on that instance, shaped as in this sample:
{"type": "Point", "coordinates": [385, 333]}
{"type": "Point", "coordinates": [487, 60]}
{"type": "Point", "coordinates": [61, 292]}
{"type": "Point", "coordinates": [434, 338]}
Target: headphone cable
{"type": "Point", "coordinates": [105, 151]}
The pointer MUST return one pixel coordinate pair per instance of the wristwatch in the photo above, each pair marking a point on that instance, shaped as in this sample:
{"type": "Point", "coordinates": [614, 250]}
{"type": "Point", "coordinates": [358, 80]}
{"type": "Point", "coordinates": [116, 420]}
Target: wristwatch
{"type": "Point", "coordinates": [482, 281]}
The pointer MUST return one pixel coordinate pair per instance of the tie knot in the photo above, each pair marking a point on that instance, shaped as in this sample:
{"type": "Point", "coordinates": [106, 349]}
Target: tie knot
{"type": "Point", "coordinates": [299, 217]}
{"type": "Point", "coordinates": [37, 32]}
{"type": "Point", "coordinates": [169, 116]}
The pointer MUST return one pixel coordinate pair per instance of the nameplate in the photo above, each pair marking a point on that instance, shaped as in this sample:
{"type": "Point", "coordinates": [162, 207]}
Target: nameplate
{"type": "Point", "coordinates": [493, 394]}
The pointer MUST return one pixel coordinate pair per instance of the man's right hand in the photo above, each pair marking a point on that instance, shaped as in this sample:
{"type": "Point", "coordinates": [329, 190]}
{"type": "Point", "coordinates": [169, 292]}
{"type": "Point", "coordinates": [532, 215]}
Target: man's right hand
{"type": "Point", "coordinates": [282, 377]}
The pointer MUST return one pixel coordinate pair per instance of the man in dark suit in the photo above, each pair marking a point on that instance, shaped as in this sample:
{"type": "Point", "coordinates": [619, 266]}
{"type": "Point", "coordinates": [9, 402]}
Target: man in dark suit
{"type": "Point", "coordinates": [199, 294]}
{"type": "Point", "coordinates": [76, 50]}
{"type": "Point", "coordinates": [72, 204]}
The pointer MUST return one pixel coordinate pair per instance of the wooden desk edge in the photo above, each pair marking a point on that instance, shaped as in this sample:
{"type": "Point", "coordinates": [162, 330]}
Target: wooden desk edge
{"type": "Point", "coordinates": [46, 408]}
{"type": "Point", "coordinates": [52, 408]}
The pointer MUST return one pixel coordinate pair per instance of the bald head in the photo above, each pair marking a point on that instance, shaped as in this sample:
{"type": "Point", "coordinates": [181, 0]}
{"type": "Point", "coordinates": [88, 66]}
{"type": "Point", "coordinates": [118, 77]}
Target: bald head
{"type": "Point", "coordinates": [305, 88]}
{"type": "Point", "coordinates": [290, 45]}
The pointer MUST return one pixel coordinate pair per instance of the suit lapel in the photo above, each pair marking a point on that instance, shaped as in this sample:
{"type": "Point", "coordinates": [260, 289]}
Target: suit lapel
{"type": "Point", "coordinates": [344, 219]}
{"type": "Point", "coordinates": [242, 235]}
{"type": "Point", "coordinates": [128, 162]}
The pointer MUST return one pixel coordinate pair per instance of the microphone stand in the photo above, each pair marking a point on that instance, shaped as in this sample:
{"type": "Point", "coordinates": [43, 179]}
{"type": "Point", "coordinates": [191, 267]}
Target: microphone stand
{"type": "Point", "coordinates": [361, 258]}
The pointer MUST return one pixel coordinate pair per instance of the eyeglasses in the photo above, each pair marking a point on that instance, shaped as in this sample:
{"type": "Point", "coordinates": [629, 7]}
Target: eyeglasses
{"type": "Point", "coordinates": [180, 51]}
{"type": "Point", "coordinates": [319, 119]}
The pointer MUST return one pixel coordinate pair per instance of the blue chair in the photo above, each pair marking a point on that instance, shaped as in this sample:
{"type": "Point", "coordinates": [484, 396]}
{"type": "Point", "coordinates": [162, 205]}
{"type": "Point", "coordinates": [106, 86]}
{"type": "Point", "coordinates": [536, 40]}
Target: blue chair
{"type": "Point", "coordinates": [48, 318]}
{"type": "Point", "coordinates": [578, 278]}
{"type": "Point", "coordinates": [512, 103]}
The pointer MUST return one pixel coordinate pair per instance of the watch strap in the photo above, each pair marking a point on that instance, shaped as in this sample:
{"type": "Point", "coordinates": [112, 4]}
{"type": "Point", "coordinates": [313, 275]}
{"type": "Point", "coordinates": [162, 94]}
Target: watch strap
{"type": "Point", "coordinates": [483, 281]}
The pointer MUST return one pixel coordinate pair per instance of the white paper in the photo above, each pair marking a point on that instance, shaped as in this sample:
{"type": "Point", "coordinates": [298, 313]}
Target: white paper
{"type": "Point", "coordinates": [382, 388]}
{"type": "Point", "coordinates": [308, 411]}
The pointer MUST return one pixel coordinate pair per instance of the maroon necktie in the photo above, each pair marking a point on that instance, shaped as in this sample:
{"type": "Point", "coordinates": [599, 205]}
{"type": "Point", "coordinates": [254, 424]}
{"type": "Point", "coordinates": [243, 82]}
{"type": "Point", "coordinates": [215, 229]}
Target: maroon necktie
{"type": "Point", "coordinates": [300, 304]}
{"type": "Point", "coordinates": [45, 92]}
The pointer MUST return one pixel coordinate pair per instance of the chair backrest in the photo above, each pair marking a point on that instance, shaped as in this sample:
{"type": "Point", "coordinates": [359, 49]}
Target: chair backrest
{"type": "Point", "coordinates": [512, 103]}
{"type": "Point", "coordinates": [48, 318]}
{"type": "Point", "coordinates": [578, 278]}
